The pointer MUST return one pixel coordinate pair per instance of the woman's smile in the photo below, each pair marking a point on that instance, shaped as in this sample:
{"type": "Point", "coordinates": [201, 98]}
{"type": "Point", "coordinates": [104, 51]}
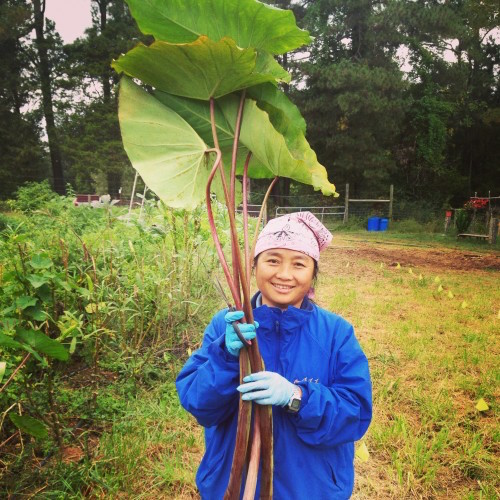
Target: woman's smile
{"type": "Point", "coordinates": [283, 288]}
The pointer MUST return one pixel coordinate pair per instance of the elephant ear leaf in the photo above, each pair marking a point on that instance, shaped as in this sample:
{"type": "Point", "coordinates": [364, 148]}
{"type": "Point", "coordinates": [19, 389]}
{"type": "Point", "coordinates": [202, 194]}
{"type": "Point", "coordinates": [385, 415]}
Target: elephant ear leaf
{"type": "Point", "coordinates": [273, 154]}
{"type": "Point", "coordinates": [166, 151]}
{"type": "Point", "coordinates": [201, 69]}
{"type": "Point", "coordinates": [249, 22]}
{"type": "Point", "coordinates": [277, 105]}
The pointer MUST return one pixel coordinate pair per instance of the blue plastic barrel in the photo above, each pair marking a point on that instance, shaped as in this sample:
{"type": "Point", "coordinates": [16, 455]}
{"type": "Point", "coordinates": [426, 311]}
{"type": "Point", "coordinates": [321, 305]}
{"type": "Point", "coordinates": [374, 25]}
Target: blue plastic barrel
{"type": "Point", "coordinates": [384, 223]}
{"type": "Point", "coordinates": [373, 223]}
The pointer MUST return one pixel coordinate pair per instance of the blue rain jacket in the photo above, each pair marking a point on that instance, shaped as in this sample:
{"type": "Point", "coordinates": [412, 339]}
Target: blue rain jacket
{"type": "Point", "coordinates": [313, 449]}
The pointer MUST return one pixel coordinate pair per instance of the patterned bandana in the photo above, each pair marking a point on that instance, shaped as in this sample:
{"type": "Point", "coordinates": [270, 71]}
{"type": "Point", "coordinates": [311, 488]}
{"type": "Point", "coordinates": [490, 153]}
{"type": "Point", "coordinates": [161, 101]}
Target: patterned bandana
{"type": "Point", "coordinates": [300, 231]}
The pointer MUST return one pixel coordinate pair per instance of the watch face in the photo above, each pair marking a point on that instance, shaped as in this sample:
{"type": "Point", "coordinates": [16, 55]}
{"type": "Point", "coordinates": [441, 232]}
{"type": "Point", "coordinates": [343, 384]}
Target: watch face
{"type": "Point", "coordinates": [295, 404]}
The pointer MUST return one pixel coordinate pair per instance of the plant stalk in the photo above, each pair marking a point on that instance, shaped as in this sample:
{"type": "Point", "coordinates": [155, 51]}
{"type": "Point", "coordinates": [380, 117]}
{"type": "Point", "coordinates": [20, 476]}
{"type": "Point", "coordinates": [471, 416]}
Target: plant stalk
{"type": "Point", "coordinates": [248, 263]}
{"type": "Point", "coordinates": [253, 465]}
{"type": "Point", "coordinates": [263, 416]}
{"type": "Point", "coordinates": [13, 374]}
{"type": "Point", "coordinates": [213, 229]}
{"type": "Point", "coordinates": [261, 214]}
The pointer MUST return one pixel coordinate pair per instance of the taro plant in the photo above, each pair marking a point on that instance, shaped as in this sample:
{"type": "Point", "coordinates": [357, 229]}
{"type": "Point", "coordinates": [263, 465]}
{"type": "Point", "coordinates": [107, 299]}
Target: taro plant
{"type": "Point", "coordinates": [210, 102]}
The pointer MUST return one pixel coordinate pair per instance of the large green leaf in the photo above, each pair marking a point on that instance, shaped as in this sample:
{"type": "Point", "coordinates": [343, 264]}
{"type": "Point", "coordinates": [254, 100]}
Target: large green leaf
{"type": "Point", "coordinates": [201, 69]}
{"type": "Point", "coordinates": [37, 281]}
{"type": "Point", "coordinates": [197, 114]}
{"type": "Point", "coordinates": [41, 261]}
{"type": "Point", "coordinates": [165, 150]}
{"type": "Point", "coordinates": [25, 301]}
{"type": "Point", "coordinates": [278, 145]}
{"type": "Point", "coordinates": [8, 341]}
{"type": "Point", "coordinates": [271, 150]}
{"type": "Point", "coordinates": [277, 104]}
{"type": "Point", "coordinates": [248, 22]}
{"type": "Point", "coordinates": [29, 425]}
{"type": "Point", "coordinates": [39, 342]}
{"type": "Point", "coordinates": [286, 119]}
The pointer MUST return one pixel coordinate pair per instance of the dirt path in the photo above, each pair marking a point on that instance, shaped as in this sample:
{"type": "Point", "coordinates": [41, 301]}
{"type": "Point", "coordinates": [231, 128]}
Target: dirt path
{"type": "Point", "coordinates": [431, 258]}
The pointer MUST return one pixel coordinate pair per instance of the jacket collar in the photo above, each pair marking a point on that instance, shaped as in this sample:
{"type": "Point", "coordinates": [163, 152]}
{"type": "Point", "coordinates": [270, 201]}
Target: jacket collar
{"type": "Point", "coordinates": [291, 319]}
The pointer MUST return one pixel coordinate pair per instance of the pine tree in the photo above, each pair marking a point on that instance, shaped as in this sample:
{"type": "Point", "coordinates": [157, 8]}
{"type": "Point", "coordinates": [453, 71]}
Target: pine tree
{"type": "Point", "coordinates": [22, 157]}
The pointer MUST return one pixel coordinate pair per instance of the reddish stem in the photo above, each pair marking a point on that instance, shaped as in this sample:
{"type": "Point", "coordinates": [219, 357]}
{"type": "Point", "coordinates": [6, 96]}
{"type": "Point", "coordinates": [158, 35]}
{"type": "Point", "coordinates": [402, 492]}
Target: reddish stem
{"type": "Point", "coordinates": [261, 213]}
{"type": "Point", "coordinates": [232, 181]}
{"type": "Point", "coordinates": [253, 467]}
{"type": "Point", "coordinates": [213, 229]}
{"type": "Point", "coordinates": [242, 436]}
{"type": "Point", "coordinates": [248, 263]}
{"type": "Point", "coordinates": [263, 423]}
{"type": "Point", "coordinates": [237, 131]}
{"type": "Point", "coordinates": [229, 201]}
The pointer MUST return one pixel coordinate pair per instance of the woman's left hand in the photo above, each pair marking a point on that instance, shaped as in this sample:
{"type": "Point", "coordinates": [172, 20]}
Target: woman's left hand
{"type": "Point", "coordinates": [267, 388]}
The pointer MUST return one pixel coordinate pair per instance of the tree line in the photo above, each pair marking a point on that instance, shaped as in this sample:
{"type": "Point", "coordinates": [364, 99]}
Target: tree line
{"type": "Point", "coordinates": [429, 124]}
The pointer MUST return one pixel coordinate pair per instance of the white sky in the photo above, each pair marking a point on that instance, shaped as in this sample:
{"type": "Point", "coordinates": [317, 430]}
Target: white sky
{"type": "Point", "coordinates": [72, 17]}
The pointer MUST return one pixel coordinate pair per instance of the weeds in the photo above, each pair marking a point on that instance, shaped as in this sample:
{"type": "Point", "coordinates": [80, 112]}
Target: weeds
{"type": "Point", "coordinates": [122, 429]}
{"type": "Point", "coordinates": [116, 297]}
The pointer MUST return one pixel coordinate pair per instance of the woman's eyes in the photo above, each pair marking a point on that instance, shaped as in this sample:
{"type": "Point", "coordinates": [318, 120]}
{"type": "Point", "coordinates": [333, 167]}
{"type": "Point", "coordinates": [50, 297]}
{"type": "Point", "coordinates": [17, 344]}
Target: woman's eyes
{"type": "Point", "coordinates": [299, 265]}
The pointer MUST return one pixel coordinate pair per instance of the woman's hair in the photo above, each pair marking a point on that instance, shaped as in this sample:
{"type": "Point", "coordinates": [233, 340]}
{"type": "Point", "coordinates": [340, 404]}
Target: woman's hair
{"type": "Point", "coordinates": [315, 273]}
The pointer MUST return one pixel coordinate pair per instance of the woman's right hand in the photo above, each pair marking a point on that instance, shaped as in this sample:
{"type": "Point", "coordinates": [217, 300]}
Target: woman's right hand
{"type": "Point", "coordinates": [248, 330]}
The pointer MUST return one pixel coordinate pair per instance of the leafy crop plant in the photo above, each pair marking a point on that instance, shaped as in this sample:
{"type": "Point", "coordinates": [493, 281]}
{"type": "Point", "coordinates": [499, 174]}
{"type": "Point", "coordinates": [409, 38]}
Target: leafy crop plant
{"type": "Point", "coordinates": [209, 103]}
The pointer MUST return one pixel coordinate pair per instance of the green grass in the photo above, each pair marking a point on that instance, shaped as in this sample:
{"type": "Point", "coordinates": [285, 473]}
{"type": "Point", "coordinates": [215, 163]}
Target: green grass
{"type": "Point", "coordinates": [151, 448]}
{"type": "Point", "coordinates": [431, 361]}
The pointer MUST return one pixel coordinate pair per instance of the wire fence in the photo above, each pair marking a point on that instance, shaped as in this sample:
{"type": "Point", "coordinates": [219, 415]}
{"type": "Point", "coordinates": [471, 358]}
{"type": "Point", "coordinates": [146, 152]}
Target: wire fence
{"type": "Point", "coordinates": [331, 211]}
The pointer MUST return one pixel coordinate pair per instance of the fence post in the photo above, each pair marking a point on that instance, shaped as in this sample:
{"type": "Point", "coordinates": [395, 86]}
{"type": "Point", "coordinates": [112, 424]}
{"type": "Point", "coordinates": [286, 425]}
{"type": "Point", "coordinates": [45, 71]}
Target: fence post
{"type": "Point", "coordinates": [346, 207]}
{"type": "Point", "coordinates": [133, 193]}
{"type": "Point", "coordinates": [391, 199]}
{"type": "Point", "coordinates": [492, 235]}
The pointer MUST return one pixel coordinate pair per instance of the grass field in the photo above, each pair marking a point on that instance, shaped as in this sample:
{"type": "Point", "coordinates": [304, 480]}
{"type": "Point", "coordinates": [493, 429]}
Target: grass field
{"type": "Point", "coordinates": [428, 319]}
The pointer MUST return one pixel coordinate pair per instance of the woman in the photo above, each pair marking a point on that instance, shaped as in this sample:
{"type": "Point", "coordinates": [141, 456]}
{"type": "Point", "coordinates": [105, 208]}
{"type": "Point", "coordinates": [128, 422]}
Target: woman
{"type": "Point", "coordinates": [316, 377]}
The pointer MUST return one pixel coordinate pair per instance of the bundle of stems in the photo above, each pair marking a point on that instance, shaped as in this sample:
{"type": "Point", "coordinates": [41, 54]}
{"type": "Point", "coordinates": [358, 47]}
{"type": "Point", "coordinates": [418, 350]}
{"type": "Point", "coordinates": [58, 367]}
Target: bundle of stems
{"type": "Point", "coordinates": [247, 455]}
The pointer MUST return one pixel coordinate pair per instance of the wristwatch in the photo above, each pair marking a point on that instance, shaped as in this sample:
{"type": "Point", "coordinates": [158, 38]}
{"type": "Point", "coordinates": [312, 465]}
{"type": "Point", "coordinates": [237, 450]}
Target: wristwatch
{"type": "Point", "coordinates": [293, 405]}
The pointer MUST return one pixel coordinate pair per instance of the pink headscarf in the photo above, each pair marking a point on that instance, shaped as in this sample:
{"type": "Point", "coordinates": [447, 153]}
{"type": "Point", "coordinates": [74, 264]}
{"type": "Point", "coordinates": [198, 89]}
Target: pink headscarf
{"type": "Point", "coordinates": [300, 231]}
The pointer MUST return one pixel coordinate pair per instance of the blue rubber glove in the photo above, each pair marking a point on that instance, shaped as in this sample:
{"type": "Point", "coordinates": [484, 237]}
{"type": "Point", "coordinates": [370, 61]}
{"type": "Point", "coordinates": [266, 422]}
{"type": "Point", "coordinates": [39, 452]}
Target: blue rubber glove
{"type": "Point", "coordinates": [233, 343]}
{"type": "Point", "coordinates": [266, 388]}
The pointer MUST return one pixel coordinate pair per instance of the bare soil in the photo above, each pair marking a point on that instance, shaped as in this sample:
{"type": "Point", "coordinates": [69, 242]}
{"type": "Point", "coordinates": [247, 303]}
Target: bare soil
{"type": "Point", "coordinates": [429, 258]}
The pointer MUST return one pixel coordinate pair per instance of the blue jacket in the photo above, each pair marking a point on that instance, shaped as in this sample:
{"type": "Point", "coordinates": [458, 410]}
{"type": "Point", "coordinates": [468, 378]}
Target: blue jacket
{"type": "Point", "coordinates": [313, 449]}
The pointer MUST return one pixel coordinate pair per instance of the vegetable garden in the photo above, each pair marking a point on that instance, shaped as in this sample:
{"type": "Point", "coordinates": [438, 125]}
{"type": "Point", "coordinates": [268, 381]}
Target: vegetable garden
{"type": "Point", "coordinates": [99, 310]}
{"type": "Point", "coordinates": [109, 421]}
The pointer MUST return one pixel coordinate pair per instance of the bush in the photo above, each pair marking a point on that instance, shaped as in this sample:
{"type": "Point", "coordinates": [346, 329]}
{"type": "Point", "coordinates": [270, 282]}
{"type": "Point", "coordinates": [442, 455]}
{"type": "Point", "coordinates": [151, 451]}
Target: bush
{"type": "Point", "coordinates": [4, 221]}
{"type": "Point", "coordinates": [463, 218]}
{"type": "Point", "coordinates": [33, 196]}
{"type": "Point", "coordinates": [354, 223]}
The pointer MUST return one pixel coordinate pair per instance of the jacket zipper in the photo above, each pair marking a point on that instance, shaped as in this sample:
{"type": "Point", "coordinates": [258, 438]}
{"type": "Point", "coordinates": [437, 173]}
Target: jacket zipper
{"type": "Point", "coordinates": [278, 347]}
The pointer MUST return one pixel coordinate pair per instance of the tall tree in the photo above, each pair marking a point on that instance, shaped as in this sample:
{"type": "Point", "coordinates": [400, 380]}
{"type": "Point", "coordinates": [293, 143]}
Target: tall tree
{"type": "Point", "coordinates": [92, 141]}
{"type": "Point", "coordinates": [449, 142]}
{"type": "Point", "coordinates": [352, 93]}
{"type": "Point", "coordinates": [22, 156]}
{"type": "Point", "coordinates": [45, 78]}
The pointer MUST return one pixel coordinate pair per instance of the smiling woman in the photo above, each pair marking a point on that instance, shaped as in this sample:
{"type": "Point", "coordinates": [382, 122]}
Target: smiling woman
{"type": "Point", "coordinates": [317, 379]}
{"type": "Point", "coordinates": [284, 277]}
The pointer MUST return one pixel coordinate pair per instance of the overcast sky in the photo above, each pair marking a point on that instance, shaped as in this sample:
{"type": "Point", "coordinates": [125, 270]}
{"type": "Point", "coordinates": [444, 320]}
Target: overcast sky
{"type": "Point", "coordinates": [72, 17]}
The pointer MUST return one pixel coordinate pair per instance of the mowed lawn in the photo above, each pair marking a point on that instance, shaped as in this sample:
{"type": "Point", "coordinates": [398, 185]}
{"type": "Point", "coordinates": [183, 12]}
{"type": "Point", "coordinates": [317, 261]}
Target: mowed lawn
{"type": "Point", "coordinates": [428, 319]}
